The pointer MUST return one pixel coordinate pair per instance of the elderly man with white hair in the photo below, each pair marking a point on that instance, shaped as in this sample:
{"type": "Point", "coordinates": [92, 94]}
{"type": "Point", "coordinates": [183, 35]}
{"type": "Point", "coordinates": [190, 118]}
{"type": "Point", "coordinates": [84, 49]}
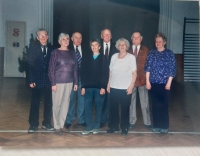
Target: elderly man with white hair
{"type": "Point", "coordinates": [140, 52]}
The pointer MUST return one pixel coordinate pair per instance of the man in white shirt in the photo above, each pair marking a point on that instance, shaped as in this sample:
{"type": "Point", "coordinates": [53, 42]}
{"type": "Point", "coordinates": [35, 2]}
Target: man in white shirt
{"type": "Point", "coordinates": [108, 49]}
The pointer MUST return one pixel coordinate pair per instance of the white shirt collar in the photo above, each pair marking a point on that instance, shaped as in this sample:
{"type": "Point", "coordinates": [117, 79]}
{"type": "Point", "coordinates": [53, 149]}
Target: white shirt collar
{"type": "Point", "coordinates": [138, 47]}
{"type": "Point", "coordinates": [104, 46]}
{"type": "Point", "coordinates": [106, 43]}
{"type": "Point", "coordinates": [79, 48]}
{"type": "Point", "coordinates": [76, 46]}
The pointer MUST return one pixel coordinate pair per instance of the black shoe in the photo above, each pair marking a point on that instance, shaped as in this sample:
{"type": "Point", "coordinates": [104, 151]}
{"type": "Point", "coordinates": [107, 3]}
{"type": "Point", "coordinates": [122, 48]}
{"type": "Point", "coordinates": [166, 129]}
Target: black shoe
{"type": "Point", "coordinates": [83, 124]}
{"type": "Point", "coordinates": [124, 132]}
{"type": "Point", "coordinates": [111, 130]}
{"type": "Point", "coordinates": [102, 125]}
{"type": "Point", "coordinates": [108, 124]}
{"type": "Point", "coordinates": [131, 126]}
{"type": "Point", "coordinates": [48, 127]}
{"type": "Point", "coordinates": [32, 129]}
{"type": "Point", "coordinates": [148, 127]}
{"type": "Point", "coordinates": [67, 125]}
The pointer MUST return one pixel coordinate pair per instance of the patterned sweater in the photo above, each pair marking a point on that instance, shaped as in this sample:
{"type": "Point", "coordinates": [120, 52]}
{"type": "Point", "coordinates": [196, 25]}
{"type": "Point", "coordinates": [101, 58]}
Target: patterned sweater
{"type": "Point", "coordinates": [161, 66]}
{"type": "Point", "coordinates": [63, 67]}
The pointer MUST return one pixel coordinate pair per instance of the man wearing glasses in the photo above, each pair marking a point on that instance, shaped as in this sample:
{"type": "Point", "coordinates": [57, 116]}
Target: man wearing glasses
{"type": "Point", "coordinates": [38, 64]}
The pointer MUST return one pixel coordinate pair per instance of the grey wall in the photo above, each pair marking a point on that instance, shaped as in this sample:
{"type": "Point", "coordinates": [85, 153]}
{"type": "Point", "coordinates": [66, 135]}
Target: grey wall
{"type": "Point", "coordinates": [183, 9]}
{"type": "Point", "coordinates": [20, 10]}
{"type": "Point", "coordinates": [36, 14]}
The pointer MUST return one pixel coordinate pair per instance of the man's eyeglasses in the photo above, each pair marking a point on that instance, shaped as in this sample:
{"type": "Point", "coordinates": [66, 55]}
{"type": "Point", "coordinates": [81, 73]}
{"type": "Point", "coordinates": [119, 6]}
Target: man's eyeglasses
{"type": "Point", "coordinates": [42, 35]}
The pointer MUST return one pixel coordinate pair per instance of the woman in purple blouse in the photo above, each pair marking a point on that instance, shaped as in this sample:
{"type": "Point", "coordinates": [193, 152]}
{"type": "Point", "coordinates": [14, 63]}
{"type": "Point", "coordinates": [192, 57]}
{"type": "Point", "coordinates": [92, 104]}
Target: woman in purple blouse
{"type": "Point", "coordinates": [160, 69]}
{"type": "Point", "coordinates": [62, 73]}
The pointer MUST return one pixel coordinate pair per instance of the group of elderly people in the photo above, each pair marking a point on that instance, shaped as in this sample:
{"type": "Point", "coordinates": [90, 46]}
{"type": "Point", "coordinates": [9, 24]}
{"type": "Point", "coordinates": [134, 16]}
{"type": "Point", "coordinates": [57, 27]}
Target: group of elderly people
{"type": "Point", "coordinates": [159, 67]}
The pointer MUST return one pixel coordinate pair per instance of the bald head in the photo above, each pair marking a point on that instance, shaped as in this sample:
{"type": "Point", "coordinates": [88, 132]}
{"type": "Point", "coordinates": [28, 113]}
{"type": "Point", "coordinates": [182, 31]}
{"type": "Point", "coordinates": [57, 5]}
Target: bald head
{"type": "Point", "coordinates": [76, 38]}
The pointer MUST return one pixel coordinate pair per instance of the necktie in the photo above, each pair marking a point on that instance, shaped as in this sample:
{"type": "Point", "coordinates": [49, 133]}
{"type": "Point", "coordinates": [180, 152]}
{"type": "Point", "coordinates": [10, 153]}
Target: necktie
{"type": "Point", "coordinates": [135, 51]}
{"type": "Point", "coordinates": [44, 51]}
{"type": "Point", "coordinates": [78, 56]}
{"type": "Point", "coordinates": [106, 51]}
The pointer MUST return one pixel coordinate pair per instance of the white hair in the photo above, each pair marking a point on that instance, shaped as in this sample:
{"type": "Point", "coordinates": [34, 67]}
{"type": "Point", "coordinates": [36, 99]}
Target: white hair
{"type": "Point", "coordinates": [61, 36]}
{"type": "Point", "coordinates": [104, 30]}
{"type": "Point", "coordinates": [123, 40]}
{"type": "Point", "coordinates": [41, 29]}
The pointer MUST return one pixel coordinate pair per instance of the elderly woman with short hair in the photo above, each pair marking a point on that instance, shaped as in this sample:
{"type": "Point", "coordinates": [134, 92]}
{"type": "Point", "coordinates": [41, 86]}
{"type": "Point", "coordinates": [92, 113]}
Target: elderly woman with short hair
{"type": "Point", "coordinates": [121, 82]}
{"type": "Point", "coordinates": [62, 73]}
{"type": "Point", "coordinates": [160, 69]}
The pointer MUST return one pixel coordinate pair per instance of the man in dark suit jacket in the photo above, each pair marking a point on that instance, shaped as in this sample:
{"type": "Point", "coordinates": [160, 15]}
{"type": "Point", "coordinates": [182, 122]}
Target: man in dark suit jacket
{"type": "Point", "coordinates": [38, 63]}
{"type": "Point", "coordinates": [76, 95]}
{"type": "Point", "coordinates": [108, 49]}
{"type": "Point", "coordinates": [141, 52]}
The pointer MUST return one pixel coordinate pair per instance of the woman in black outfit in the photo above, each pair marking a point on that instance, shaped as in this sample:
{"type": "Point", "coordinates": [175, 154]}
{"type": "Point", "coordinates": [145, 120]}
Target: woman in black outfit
{"type": "Point", "coordinates": [93, 87]}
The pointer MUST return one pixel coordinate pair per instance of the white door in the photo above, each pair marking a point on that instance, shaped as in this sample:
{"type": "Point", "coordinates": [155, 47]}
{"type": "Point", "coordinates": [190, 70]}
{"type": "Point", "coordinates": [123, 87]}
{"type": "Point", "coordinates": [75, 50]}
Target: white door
{"type": "Point", "coordinates": [15, 43]}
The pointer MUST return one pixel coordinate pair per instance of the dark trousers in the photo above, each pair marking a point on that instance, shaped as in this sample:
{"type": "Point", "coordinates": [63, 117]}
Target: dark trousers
{"type": "Point", "coordinates": [35, 105]}
{"type": "Point", "coordinates": [105, 116]}
{"type": "Point", "coordinates": [90, 94]}
{"type": "Point", "coordinates": [119, 96]}
{"type": "Point", "coordinates": [76, 97]}
{"type": "Point", "coordinates": [160, 106]}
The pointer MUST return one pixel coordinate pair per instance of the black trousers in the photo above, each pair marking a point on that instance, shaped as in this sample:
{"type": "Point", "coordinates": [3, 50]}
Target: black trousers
{"type": "Point", "coordinates": [105, 116]}
{"type": "Point", "coordinates": [160, 106]}
{"type": "Point", "coordinates": [35, 105]}
{"type": "Point", "coordinates": [119, 97]}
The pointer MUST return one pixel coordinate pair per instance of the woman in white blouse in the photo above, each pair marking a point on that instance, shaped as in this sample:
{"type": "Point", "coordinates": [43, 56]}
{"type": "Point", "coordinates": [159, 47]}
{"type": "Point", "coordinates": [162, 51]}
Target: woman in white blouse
{"type": "Point", "coordinates": [121, 82]}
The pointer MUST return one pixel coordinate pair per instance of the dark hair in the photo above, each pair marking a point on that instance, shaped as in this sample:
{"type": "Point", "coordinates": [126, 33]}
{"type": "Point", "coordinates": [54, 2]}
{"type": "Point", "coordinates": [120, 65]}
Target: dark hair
{"type": "Point", "coordinates": [162, 36]}
{"type": "Point", "coordinates": [95, 40]}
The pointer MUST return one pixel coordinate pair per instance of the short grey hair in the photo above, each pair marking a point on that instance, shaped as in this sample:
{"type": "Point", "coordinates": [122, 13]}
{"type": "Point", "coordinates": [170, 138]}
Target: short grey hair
{"type": "Point", "coordinates": [123, 40]}
{"type": "Point", "coordinates": [104, 30]}
{"type": "Point", "coordinates": [75, 33]}
{"type": "Point", "coordinates": [136, 32]}
{"type": "Point", "coordinates": [162, 36]}
{"type": "Point", "coordinates": [41, 29]}
{"type": "Point", "coordinates": [61, 36]}
{"type": "Point", "coordinates": [95, 40]}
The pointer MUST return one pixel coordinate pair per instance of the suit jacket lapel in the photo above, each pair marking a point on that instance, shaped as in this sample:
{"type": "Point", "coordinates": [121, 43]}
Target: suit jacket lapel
{"type": "Point", "coordinates": [140, 51]}
{"type": "Point", "coordinates": [39, 49]}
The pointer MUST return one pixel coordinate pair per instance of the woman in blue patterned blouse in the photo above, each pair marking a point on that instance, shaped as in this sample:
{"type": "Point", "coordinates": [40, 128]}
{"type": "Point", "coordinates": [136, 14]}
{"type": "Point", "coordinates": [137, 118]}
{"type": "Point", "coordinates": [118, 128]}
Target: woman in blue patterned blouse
{"type": "Point", "coordinates": [160, 69]}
